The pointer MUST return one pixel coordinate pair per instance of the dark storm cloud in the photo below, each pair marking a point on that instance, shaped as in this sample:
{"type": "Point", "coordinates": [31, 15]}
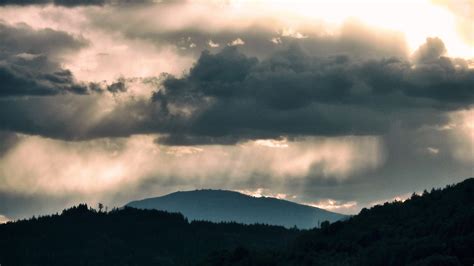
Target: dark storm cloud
{"type": "Point", "coordinates": [28, 61]}
{"type": "Point", "coordinates": [7, 141]}
{"type": "Point", "coordinates": [118, 86]}
{"type": "Point", "coordinates": [21, 38]}
{"type": "Point", "coordinates": [294, 93]}
{"type": "Point", "coordinates": [18, 80]}
{"type": "Point", "coordinates": [229, 97]}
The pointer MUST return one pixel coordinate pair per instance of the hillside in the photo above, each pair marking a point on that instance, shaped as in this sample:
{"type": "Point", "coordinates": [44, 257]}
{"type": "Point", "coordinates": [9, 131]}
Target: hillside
{"type": "Point", "coordinates": [224, 205]}
{"type": "Point", "coordinates": [435, 228]}
{"type": "Point", "coordinates": [83, 236]}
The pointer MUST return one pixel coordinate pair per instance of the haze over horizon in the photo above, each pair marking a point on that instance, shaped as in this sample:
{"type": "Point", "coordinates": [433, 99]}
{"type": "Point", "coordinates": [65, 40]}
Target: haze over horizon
{"type": "Point", "coordinates": [334, 104]}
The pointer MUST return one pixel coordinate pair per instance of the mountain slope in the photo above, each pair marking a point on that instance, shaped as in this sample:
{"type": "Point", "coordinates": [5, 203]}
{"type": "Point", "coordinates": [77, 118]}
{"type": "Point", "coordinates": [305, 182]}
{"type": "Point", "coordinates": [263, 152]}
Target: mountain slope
{"type": "Point", "coordinates": [224, 205]}
{"type": "Point", "coordinates": [435, 228]}
{"type": "Point", "coordinates": [82, 236]}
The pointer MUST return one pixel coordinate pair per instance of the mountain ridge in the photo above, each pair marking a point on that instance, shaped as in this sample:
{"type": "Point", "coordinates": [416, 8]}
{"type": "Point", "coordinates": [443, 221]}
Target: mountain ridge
{"type": "Point", "coordinates": [432, 228]}
{"type": "Point", "coordinates": [219, 205]}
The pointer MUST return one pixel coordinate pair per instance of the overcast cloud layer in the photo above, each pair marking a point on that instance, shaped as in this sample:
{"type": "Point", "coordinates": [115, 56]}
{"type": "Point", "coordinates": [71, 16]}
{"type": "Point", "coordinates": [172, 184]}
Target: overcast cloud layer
{"type": "Point", "coordinates": [339, 116]}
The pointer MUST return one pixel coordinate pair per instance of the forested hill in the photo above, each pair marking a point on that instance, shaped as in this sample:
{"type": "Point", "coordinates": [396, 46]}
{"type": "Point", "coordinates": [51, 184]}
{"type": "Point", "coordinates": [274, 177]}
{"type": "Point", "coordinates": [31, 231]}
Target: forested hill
{"type": "Point", "coordinates": [435, 228]}
{"type": "Point", "coordinates": [83, 236]}
{"type": "Point", "coordinates": [225, 206]}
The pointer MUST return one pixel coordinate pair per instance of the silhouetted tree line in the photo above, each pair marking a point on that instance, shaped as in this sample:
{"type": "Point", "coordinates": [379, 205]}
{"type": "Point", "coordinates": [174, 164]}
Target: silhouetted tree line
{"type": "Point", "coordinates": [435, 228]}
{"type": "Point", "coordinates": [84, 236]}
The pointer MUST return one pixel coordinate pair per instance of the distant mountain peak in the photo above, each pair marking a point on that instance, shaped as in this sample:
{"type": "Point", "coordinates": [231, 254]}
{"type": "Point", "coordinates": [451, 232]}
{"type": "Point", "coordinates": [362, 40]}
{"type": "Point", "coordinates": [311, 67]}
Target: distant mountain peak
{"type": "Point", "coordinates": [218, 205]}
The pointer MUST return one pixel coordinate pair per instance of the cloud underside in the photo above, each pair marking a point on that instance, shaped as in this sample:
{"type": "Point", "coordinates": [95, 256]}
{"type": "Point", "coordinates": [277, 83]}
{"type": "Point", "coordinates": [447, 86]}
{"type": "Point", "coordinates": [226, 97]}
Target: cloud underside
{"type": "Point", "coordinates": [228, 97]}
{"type": "Point", "coordinates": [284, 84]}
{"type": "Point", "coordinates": [29, 61]}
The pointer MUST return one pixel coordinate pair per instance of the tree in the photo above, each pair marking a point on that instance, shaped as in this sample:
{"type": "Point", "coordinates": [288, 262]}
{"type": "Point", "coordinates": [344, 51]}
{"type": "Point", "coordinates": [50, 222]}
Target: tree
{"type": "Point", "coordinates": [325, 225]}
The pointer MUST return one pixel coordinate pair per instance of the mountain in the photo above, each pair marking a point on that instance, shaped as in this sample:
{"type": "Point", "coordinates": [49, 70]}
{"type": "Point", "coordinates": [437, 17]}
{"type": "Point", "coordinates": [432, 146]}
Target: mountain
{"type": "Point", "coordinates": [224, 205]}
{"type": "Point", "coordinates": [435, 228]}
{"type": "Point", "coordinates": [83, 236]}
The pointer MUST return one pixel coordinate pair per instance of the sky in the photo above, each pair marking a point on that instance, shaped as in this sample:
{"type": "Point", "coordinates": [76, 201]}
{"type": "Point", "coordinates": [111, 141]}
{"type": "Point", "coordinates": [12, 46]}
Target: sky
{"type": "Point", "coordinates": [335, 104]}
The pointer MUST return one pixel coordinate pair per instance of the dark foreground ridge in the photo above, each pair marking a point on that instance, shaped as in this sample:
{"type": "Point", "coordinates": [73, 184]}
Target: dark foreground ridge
{"type": "Point", "coordinates": [231, 206]}
{"type": "Point", "coordinates": [436, 228]}
{"type": "Point", "coordinates": [83, 236]}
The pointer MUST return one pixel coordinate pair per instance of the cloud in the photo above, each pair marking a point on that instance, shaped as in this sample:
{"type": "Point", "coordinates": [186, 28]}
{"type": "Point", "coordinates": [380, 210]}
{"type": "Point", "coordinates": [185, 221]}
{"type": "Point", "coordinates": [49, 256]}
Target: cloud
{"type": "Point", "coordinates": [262, 192]}
{"type": "Point", "coordinates": [213, 44]}
{"type": "Point", "coordinates": [18, 81]}
{"type": "Point", "coordinates": [118, 86]}
{"type": "Point", "coordinates": [236, 42]}
{"type": "Point", "coordinates": [232, 97]}
{"type": "Point", "coordinates": [19, 206]}
{"type": "Point", "coordinates": [54, 173]}
{"type": "Point", "coordinates": [3, 219]}
{"type": "Point", "coordinates": [100, 169]}
{"type": "Point", "coordinates": [314, 105]}
{"type": "Point", "coordinates": [463, 11]}
{"type": "Point", "coordinates": [22, 38]}
{"type": "Point", "coordinates": [153, 41]}
{"type": "Point", "coordinates": [77, 117]}
{"type": "Point", "coordinates": [29, 61]}
{"type": "Point", "coordinates": [7, 141]}
{"type": "Point", "coordinates": [108, 164]}
{"type": "Point", "coordinates": [432, 151]}
{"type": "Point", "coordinates": [346, 207]}
{"type": "Point", "coordinates": [459, 132]}
{"type": "Point", "coordinates": [351, 37]}
{"type": "Point", "coordinates": [431, 51]}
{"type": "Point", "coordinates": [228, 97]}
{"type": "Point", "coordinates": [106, 51]}
{"type": "Point", "coordinates": [75, 3]}
{"type": "Point", "coordinates": [68, 3]}
{"type": "Point", "coordinates": [400, 198]}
